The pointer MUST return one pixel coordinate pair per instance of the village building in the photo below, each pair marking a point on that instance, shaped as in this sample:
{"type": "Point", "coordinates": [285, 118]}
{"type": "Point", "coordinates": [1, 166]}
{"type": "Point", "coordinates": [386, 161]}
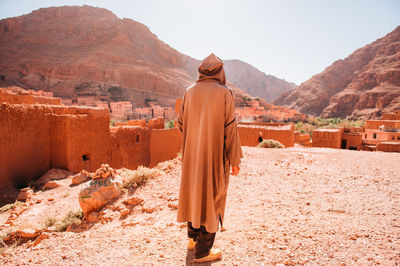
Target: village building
{"type": "Point", "coordinates": [381, 135]}
{"type": "Point", "coordinates": [384, 134]}
{"type": "Point", "coordinates": [120, 109]}
{"type": "Point", "coordinates": [144, 112]}
{"type": "Point", "coordinates": [157, 111]}
{"type": "Point", "coordinates": [169, 113]}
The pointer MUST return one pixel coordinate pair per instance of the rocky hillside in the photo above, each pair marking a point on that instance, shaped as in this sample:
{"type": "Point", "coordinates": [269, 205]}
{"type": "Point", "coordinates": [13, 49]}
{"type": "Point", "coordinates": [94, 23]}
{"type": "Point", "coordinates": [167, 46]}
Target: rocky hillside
{"type": "Point", "coordinates": [255, 82]}
{"type": "Point", "coordinates": [87, 50]}
{"type": "Point", "coordinates": [364, 84]}
{"type": "Point", "coordinates": [74, 50]}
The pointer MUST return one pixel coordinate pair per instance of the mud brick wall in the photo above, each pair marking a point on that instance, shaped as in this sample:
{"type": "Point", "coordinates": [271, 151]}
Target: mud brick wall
{"type": "Point", "coordinates": [388, 147]}
{"type": "Point", "coordinates": [24, 141]}
{"type": "Point", "coordinates": [327, 138]}
{"type": "Point", "coordinates": [12, 98]}
{"type": "Point", "coordinates": [164, 145]}
{"type": "Point", "coordinates": [130, 146]}
{"type": "Point", "coordinates": [249, 135]}
{"type": "Point", "coordinates": [352, 140]}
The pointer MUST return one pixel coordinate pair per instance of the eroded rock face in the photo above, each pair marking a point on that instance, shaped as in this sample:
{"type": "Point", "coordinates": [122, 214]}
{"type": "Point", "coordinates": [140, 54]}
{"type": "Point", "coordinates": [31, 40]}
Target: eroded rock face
{"type": "Point", "coordinates": [364, 84]}
{"type": "Point", "coordinates": [85, 50]}
{"type": "Point", "coordinates": [255, 82]}
{"type": "Point", "coordinates": [72, 48]}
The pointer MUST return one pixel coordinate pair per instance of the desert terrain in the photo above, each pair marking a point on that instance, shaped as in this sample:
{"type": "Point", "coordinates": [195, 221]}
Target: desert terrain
{"type": "Point", "coordinates": [287, 206]}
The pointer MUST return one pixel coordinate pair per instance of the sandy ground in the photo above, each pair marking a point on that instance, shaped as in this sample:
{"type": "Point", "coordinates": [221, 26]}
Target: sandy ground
{"type": "Point", "coordinates": [287, 206]}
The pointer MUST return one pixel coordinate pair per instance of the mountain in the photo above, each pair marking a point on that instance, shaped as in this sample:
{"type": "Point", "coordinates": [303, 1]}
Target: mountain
{"type": "Point", "coordinates": [83, 50]}
{"type": "Point", "coordinates": [86, 50]}
{"type": "Point", "coordinates": [363, 85]}
{"type": "Point", "coordinates": [255, 82]}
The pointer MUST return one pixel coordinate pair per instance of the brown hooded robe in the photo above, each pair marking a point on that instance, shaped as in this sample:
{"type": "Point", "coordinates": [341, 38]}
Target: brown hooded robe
{"type": "Point", "coordinates": [210, 145]}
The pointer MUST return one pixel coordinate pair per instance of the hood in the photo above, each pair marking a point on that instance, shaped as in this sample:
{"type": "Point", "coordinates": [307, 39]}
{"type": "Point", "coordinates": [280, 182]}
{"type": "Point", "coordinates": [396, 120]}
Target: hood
{"type": "Point", "coordinates": [212, 68]}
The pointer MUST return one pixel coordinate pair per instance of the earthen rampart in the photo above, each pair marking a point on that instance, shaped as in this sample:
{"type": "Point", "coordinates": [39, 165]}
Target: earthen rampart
{"type": "Point", "coordinates": [35, 138]}
{"type": "Point", "coordinates": [250, 132]}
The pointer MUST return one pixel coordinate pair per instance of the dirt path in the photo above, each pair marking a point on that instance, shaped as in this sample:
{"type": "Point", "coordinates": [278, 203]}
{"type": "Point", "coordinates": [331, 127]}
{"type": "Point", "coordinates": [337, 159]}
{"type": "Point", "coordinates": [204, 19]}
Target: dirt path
{"type": "Point", "coordinates": [289, 206]}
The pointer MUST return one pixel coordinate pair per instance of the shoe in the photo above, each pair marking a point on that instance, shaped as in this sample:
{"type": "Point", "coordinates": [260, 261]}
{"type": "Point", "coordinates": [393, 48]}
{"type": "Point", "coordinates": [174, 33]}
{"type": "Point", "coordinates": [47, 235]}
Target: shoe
{"type": "Point", "coordinates": [215, 254]}
{"type": "Point", "coordinates": [191, 244]}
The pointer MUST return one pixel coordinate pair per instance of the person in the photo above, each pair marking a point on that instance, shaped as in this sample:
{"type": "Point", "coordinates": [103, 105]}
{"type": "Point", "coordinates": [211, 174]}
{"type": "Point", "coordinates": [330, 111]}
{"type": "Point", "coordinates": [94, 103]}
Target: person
{"type": "Point", "coordinates": [210, 145]}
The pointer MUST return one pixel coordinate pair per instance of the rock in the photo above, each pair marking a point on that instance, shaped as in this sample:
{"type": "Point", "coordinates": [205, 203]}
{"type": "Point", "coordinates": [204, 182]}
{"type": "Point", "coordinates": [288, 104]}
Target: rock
{"type": "Point", "coordinates": [364, 84]}
{"type": "Point", "coordinates": [80, 178]}
{"type": "Point", "coordinates": [133, 201]}
{"type": "Point", "coordinates": [173, 206]}
{"type": "Point", "coordinates": [97, 194]}
{"type": "Point", "coordinates": [148, 209]}
{"type": "Point", "coordinates": [53, 174]}
{"type": "Point", "coordinates": [76, 228]}
{"type": "Point", "coordinates": [25, 194]}
{"type": "Point", "coordinates": [26, 233]}
{"type": "Point", "coordinates": [40, 239]}
{"type": "Point", "coordinates": [92, 217]}
{"type": "Point", "coordinates": [125, 212]}
{"type": "Point", "coordinates": [50, 185]}
{"type": "Point", "coordinates": [105, 175]}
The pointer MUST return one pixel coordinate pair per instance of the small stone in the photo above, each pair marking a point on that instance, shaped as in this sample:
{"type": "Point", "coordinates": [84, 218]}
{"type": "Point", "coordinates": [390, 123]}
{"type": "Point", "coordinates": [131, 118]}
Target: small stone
{"type": "Point", "coordinates": [50, 185]}
{"type": "Point", "coordinates": [173, 206]}
{"type": "Point", "coordinates": [40, 239]}
{"type": "Point", "coordinates": [92, 217]}
{"type": "Point", "coordinates": [148, 209]}
{"type": "Point", "coordinates": [133, 201]}
{"type": "Point", "coordinates": [125, 212]}
{"type": "Point", "coordinates": [51, 199]}
{"type": "Point", "coordinates": [80, 178]}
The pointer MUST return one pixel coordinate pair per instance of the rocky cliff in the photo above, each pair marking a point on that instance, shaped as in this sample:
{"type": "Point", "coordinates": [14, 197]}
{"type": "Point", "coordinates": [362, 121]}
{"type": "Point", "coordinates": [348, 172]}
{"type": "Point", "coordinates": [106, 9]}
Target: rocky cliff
{"type": "Point", "coordinates": [255, 82]}
{"type": "Point", "coordinates": [75, 50]}
{"type": "Point", "coordinates": [364, 84]}
{"type": "Point", "coordinates": [87, 50]}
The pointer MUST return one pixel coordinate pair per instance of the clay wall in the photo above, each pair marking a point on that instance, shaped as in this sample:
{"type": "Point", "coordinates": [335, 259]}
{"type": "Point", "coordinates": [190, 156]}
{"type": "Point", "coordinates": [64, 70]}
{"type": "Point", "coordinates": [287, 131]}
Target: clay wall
{"type": "Point", "coordinates": [328, 138]}
{"type": "Point", "coordinates": [388, 124]}
{"type": "Point", "coordinates": [156, 123]}
{"type": "Point", "coordinates": [130, 146]}
{"type": "Point", "coordinates": [353, 140]}
{"type": "Point", "coordinates": [302, 139]}
{"type": "Point", "coordinates": [15, 98]}
{"type": "Point", "coordinates": [391, 116]}
{"type": "Point", "coordinates": [24, 141]}
{"type": "Point", "coordinates": [164, 145]}
{"type": "Point", "coordinates": [388, 146]}
{"type": "Point", "coordinates": [249, 133]}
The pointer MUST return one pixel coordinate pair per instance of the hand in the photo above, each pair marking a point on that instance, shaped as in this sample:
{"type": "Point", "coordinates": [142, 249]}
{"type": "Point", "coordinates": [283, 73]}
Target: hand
{"type": "Point", "coordinates": [235, 169]}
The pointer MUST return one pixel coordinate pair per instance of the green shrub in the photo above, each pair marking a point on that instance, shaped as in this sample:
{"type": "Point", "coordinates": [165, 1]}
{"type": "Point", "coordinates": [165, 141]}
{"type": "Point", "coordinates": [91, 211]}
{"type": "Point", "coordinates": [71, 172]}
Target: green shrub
{"type": "Point", "coordinates": [136, 177]}
{"type": "Point", "coordinates": [170, 124]}
{"type": "Point", "coordinates": [270, 143]}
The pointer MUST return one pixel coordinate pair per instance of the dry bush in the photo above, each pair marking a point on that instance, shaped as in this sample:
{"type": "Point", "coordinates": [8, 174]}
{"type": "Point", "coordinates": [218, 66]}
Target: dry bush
{"type": "Point", "coordinates": [9, 206]}
{"type": "Point", "coordinates": [270, 143]}
{"type": "Point", "coordinates": [72, 217]}
{"type": "Point", "coordinates": [50, 221]}
{"type": "Point", "coordinates": [136, 177]}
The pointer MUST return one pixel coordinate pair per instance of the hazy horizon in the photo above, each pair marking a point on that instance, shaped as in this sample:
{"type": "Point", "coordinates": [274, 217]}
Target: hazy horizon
{"type": "Point", "coordinates": [291, 40]}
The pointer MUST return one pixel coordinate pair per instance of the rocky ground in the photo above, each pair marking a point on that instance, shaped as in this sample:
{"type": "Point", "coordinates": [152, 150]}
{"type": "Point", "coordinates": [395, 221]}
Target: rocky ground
{"type": "Point", "coordinates": [287, 206]}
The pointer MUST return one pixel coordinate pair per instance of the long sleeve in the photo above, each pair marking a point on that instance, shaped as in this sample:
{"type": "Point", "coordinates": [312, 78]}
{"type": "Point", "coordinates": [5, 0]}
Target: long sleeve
{"type": "Point", "coordinates": [231, 134]}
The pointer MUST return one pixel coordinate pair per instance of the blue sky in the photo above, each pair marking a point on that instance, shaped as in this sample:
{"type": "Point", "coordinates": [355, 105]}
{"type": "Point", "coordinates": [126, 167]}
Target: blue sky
{"type": "Point", "coordinates": [291, 39]}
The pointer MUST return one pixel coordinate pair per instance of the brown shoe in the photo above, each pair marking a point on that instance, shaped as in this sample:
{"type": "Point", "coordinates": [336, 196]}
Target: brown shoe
{"type": "Point", "coordinates": [191, 244]}
{"type": "Point", "coordinates": [215, 254]}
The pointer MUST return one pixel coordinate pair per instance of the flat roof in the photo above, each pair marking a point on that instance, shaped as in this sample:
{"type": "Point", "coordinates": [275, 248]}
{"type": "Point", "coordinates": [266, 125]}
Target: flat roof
{"type": "Point", "coordinates": [328, 129]}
